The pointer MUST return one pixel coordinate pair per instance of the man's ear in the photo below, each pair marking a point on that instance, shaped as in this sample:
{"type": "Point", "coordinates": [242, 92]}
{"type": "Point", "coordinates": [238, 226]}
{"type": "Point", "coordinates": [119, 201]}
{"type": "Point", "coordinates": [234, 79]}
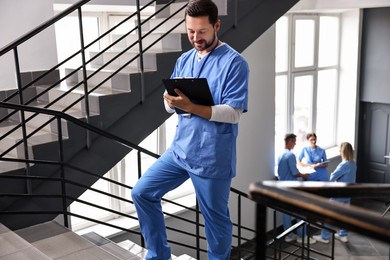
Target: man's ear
{"type": "Point", "coordinates": [217, 25]}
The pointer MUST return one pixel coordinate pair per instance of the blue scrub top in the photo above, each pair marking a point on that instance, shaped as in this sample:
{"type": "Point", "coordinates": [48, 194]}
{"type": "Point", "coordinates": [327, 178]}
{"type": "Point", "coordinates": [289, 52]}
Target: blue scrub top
{"type": "Point", "coordinates": [344, 172]}
{"type": "Point", "coordinates": [287, 166]}
{"type": "Point", "coordinates": [204, 147]}
{"type": "Point", "coordinates": [313, 156]}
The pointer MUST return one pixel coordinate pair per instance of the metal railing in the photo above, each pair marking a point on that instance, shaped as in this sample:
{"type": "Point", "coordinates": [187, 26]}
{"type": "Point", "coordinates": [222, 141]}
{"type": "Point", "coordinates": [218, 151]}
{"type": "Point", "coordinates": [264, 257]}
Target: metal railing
{"type": "Point", "coordinates": [65, 199]}
{"type": "Point", "coordinates": [307, 201]}
{"type": "Point", "coordinates": [88, 90]}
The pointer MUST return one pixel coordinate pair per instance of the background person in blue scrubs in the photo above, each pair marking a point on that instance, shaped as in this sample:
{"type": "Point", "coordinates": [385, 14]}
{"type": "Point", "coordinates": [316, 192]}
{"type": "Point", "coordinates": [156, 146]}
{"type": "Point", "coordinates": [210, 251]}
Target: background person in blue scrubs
{"type": "Point", "coordinates": [288, 171]}
{"type": "Point", "coordinates": [315, 157]}
{"type": "Point", "coordinates": [344, 172]}
{"type": "Point", "coordinates": [204, 146]}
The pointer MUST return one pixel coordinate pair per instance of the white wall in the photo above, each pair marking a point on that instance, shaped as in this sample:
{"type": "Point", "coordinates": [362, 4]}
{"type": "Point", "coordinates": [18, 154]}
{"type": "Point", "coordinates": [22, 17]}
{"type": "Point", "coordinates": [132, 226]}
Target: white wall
{"type": "Point", "coordinates": [303, 5]}
{"type": "Point", "coordinates": [255, 147]}
{"type": "Point", "coordinates": [18, 17]}
{"type": "Point", "coordinates": [349, 76]}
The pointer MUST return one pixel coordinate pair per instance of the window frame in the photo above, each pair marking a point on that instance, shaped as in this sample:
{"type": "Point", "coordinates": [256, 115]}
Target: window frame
{"type": "Point", "coordinates": [292, 72]}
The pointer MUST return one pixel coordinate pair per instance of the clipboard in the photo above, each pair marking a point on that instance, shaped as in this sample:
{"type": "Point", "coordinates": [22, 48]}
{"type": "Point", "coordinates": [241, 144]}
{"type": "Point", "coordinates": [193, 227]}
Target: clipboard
{"type": "Point", "coordinates": [196, 89]}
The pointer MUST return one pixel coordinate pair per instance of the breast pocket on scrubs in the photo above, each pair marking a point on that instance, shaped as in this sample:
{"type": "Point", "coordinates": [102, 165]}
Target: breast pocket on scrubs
{"type": "Point", "coordinates": [216, 149]}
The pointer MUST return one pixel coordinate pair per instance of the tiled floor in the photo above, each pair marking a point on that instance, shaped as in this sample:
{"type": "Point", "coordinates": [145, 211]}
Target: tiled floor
{"type": "Point", "coordinates": [358, 248]}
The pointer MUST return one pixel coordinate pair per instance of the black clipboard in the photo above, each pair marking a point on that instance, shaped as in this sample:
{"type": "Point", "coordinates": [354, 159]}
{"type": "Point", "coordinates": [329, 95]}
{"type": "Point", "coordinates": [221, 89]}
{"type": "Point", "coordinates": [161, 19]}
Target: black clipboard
{"type": "Point", "coordinates": [196, 89]}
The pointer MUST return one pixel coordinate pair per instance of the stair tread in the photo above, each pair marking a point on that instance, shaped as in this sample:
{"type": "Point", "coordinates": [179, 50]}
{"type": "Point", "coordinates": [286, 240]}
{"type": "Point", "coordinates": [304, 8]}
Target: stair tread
{"type": "Point", "coordinates": [100, 91]}
{"type": "Point", "coordinates": [30, 253]}
{"type": "Point", "coordinates": [50, 238]}
{"type": "Point", "coordinates": [126, 70]}
{"type": "Point", "coordinates": [59, 242]}
{"type": "Point", "coordinates": [149, 51]}
{"type": "Point", "coordinates": [184, 257]}
{"type": "Point", "coordinates": [89, 253]}
{"type": "Point", "coordinates": [133, 248]}
{"type": "Point", "coordinates": [16, 135]}
{"type": "Point", "coordinates": [11, 243]}
{"type": "Point", "coordinates": [10, 166]}
{"type": "Point", "coordinates": [109, 246]}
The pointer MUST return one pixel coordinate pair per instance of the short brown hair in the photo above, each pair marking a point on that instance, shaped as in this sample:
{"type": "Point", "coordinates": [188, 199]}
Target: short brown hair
{"type": "Point", "coordinates": [312, 134]}
{"type": "Point", "coordinates": [198, 8]}
{"type": "Point", "coordinates": [288, 137]}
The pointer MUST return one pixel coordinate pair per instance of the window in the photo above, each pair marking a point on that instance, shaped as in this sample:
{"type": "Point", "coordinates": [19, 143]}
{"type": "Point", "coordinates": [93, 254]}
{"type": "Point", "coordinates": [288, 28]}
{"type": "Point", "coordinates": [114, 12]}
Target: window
{"type": "Point", "coordinates": [307, 72]}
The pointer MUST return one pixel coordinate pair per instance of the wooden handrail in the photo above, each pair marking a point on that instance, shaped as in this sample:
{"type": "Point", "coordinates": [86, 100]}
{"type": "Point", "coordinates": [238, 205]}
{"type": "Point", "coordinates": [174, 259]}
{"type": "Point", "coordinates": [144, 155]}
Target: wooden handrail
{"type": "Point", "coordinates": [302, 199]}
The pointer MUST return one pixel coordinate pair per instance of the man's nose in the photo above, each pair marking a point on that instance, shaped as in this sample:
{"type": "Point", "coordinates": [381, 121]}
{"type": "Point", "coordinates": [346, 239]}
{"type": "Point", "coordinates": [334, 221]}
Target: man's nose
{"type": "Point", "coordinates": [196, 36]}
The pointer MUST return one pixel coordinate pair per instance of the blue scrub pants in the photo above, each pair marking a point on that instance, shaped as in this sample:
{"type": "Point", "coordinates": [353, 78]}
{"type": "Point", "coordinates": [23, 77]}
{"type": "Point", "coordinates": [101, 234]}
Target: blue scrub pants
{"type": "Point", "coordinates": [342, 232]}
{"type": "Point", "coordinates": [321, 174]}
{"type": "Point", "coordinates": [212, 194]}
{"type": "Point", "coordinates": [287, 224]}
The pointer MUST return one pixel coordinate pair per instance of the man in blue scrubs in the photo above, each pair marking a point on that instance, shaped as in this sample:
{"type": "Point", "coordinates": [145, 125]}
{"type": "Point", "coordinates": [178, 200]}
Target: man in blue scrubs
{"type": "Point", "coordinates": [288, 171]}
{"type": "Point", "coordinates": [204, 147]}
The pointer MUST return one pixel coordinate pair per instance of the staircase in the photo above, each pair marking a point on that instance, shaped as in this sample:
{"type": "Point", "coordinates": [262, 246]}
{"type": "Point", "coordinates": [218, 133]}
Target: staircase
{"type": "Point", "coordinates": [124, 99]}
{"type": "Point", "coordinates": [51, 240]}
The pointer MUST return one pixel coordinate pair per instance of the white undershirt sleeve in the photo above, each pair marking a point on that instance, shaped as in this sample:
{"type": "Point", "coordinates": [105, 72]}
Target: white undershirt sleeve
{"type": "Point", "coordinates": [168, 108]}
{"type": "Point", "coordinates": [225, 114]}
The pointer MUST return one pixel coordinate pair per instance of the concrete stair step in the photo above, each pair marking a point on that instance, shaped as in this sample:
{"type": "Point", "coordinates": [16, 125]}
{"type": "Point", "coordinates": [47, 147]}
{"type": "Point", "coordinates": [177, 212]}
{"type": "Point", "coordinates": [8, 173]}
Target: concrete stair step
{"type": "Point", "coordinates": [141, 252]}
{"type": "Point", "coordinates": [70, 98]}
{"type": "Point", "coordinates": [149, 60]}
{"type": "Point", "coordinates": [58, 242]}
{"type": "Point", "coordinates": [50, 240]}
{"type": "Point", "coordinates": [133, 248]}
{"type": "Point", "coordinates": [171, 42]}
{"type": "Point", "coordinates": [10, 166]}
{"type": "Point", "coordinates": [173, 7]}
{"type": "Point", "coordinates": [184, 257]}
{"type": "Point", "coordinates": [118, 82]}
{"type": "Point", "coordinates": [42, 136]}
{"type": "Point", "coordinates": [13, 246]}
{"type": "Point", "coordinates": [166, 26]}
{"type": "Point", "coordinates": [110, 246]}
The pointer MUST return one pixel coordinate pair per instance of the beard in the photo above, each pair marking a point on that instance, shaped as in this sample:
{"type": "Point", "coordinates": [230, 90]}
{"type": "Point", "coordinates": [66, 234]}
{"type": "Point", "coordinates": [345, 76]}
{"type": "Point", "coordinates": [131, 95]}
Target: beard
{"type": "Point", "coordinates": [206, 46]}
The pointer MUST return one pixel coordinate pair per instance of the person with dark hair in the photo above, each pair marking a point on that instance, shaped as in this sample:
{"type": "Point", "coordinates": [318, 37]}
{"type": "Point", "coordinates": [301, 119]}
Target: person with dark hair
{"type": "Point", "coordinates": [314, 157]}
{"type": "Point", "coordinates": [204, 146]}
{"type": "Point", "coordinates": [288, 171]}
{"type": "Point", "coordinates": [344, 172]}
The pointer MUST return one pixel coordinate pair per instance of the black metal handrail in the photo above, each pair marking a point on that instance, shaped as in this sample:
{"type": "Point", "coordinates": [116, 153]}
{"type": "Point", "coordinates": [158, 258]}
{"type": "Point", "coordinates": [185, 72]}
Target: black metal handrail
{"type": "Point", "coordinates": [65, 183]}
{"type": "Point", "coordinates": [82, 67]}
{"type": "Point", "coordinates": [306, 199]}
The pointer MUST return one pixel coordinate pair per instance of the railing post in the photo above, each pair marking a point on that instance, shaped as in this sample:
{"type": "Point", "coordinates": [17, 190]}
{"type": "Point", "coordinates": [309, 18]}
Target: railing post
{"type": "Point", "coordinates": [235, 14]}
{"type": "Point", "coordinates": [261, 223]}
{"type": "Point", "coordinates": [239, 226]}
{"type": "Point", "coordinates": [197, 231]}
{"type": "Point", "coordinates": [141, 53]}
{"type": "Point", "coordinates": [22, 119]}
{"type": "Point", "coordinates": [139, 163]}
{"type": "Point", "coordinates": [85, 82]}
{"type": "Point", "coordinates": [63, 184]}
